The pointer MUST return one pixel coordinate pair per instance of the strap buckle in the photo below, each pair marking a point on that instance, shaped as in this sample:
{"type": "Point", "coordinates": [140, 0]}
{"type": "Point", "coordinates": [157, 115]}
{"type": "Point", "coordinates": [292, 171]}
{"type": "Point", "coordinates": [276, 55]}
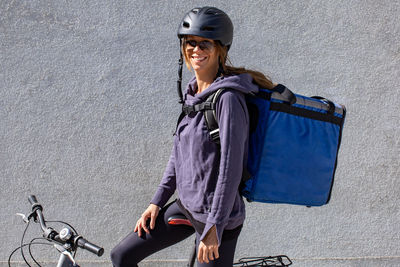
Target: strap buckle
{"type": "Point", "coordinates": [215, 135]}
{"type": "Point", "coordinates": [187, 109]}
{"type": "Point", "coordinates": [208, 106]}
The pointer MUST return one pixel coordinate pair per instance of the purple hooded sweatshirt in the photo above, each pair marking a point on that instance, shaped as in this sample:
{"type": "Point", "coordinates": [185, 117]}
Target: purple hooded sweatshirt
{"type": "Point", "coordinates": [206, 175]}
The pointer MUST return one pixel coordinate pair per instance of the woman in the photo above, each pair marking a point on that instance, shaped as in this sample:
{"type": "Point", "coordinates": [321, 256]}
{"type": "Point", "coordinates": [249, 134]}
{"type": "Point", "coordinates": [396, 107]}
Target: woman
{"type": "Point", "coordinates": [205, 174]}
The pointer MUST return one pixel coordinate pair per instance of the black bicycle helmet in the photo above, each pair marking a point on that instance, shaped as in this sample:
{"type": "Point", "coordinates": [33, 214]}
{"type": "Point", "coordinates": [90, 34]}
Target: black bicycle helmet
{"type": "Point", "coordinates": [207, 22]}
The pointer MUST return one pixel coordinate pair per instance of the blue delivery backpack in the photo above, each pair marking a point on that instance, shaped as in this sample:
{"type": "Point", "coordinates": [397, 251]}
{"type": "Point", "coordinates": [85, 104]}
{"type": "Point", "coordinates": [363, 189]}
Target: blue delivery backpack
{"type": "Point", "coordinates": [293, 146]}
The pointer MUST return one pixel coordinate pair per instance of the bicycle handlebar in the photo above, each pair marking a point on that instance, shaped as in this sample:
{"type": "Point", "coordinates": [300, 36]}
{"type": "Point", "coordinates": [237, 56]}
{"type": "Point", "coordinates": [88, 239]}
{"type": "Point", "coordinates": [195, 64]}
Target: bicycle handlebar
{"type": "Point", "coordinates": [37, 210]}
{"type": "Point", "coordinates": [83, 243]}
{"type": "Point", "coordinates": [51, 234]}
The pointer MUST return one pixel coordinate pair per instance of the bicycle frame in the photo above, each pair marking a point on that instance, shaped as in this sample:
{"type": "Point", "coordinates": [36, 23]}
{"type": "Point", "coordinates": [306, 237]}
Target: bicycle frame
{"type": "Point", "coordinates": [65, 261]}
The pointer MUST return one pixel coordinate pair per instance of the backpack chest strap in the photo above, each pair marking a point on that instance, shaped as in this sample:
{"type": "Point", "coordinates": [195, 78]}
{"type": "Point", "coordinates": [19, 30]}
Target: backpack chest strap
{"type": "Point", "coordinates": [188, 109]}
{"type": "Point", "coordinates": [208, 107]}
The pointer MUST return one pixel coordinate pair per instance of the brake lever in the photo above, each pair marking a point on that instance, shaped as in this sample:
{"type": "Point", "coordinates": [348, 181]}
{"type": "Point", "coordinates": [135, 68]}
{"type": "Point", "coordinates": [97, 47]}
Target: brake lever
{"type": "Point", "coordinates": [24, 218]}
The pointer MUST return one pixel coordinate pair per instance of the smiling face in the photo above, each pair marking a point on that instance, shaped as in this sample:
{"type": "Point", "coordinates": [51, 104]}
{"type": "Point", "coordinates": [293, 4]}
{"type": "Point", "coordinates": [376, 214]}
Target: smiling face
{"type": "Point", "coordinates": [201, 54]}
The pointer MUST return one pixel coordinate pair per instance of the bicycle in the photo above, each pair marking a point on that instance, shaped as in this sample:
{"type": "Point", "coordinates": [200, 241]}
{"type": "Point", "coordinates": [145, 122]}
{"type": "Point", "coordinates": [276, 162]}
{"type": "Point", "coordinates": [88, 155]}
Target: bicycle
{"type": "Point", "coordinates": [67, 241]}
{"type": "Point", "coordinates": [271, 261]}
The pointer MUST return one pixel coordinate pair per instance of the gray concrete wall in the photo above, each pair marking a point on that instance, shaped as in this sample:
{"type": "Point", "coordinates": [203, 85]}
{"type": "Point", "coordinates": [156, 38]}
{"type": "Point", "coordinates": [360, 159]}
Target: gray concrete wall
{"type": "Point", "coordinates": [88, 106]}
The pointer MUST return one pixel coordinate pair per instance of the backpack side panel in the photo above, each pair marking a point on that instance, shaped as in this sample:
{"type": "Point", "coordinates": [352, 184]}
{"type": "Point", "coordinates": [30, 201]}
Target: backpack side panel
{"type": "Point", "coordinates": [256, 139]}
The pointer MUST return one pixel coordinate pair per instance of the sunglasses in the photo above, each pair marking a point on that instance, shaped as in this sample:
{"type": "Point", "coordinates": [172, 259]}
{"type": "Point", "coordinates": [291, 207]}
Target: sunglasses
{"type": "Point", "coordinates": [203, 45]}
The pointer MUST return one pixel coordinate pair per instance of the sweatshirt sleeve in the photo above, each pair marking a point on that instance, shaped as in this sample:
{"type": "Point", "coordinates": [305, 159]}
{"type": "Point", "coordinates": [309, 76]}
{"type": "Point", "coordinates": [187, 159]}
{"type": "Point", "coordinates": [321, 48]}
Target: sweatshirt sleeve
{"type": "Point", "coordinates": [233, 125]}
{"type": "Point", "coordinates": [167, 185]}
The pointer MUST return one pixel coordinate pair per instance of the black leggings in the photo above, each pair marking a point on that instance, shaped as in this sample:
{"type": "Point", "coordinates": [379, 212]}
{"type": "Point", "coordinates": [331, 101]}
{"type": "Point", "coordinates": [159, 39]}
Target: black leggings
{"type": "Point", "coordinates": [133, 249]}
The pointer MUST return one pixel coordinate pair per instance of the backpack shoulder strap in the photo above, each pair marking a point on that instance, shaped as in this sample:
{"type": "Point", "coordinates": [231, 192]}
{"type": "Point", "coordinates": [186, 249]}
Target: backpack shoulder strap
{"type": "Point", "coordinates": [210, 115]}
{"type": "Point", "coordinates": [213, 127]}
{"type": "Point", "coordinates": [208, 108]}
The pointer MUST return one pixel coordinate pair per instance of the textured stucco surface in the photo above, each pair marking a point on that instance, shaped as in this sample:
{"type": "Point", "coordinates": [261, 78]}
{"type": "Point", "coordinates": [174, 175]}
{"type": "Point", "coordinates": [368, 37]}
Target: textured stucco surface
{"type": "Point", "coordinates": [88, 106]}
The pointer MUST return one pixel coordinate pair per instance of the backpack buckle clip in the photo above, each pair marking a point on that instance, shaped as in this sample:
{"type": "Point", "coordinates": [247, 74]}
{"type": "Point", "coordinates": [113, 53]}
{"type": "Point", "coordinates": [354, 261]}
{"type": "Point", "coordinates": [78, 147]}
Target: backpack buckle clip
{"type": "Point", "coordinates": [215, 135]}
{"type": "Point", "coordinates": [187, 109]}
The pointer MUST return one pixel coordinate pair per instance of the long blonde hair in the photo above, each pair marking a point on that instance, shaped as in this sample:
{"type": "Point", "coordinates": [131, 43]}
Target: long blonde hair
{"type": "Point", "coordinates": [259, 78]}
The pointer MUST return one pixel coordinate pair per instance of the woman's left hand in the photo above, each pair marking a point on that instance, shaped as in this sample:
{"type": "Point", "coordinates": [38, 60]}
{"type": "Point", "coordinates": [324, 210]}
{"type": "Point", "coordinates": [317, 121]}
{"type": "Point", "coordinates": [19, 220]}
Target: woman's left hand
{"type": "Point", "coordinates": [208, 248]}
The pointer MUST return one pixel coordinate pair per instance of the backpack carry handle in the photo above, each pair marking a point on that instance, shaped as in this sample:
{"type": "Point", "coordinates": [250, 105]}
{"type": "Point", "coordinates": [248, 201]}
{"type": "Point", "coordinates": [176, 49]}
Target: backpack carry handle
{"type": "Point", "coordinates": [331, 105]}
{"type": "Point", "coordinates": [288, 96]}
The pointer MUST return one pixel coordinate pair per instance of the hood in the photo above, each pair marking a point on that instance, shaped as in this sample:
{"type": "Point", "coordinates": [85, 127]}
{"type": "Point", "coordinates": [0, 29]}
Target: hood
{"type": "Point", "coordinates": [242, 82]}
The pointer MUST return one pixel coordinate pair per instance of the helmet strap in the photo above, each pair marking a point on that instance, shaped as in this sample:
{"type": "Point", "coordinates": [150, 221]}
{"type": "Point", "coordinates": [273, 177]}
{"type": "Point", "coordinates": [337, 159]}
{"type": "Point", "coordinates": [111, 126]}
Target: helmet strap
{"type": "Point", "coordinates": [220, 69]}
{"type": "Point", "coordinates": [180, 66]}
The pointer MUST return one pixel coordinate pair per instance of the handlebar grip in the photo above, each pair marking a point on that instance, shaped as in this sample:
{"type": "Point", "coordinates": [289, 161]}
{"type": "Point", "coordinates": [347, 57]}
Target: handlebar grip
{"type": "Point", "coordinates": [83, 243]}
{"type": "Point", "coordinates": [32, 199]}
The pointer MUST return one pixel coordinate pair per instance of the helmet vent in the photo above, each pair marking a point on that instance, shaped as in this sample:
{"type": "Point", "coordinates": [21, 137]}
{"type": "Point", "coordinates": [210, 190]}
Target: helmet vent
{"type": "Point", "coordinates": [212, 12]}
{"type": "Point", "coordinates": [186, 24]}
{"type": "Point", "coordinates": [195, 10]}
{"type": "Point", "coordinates": [207, 28]}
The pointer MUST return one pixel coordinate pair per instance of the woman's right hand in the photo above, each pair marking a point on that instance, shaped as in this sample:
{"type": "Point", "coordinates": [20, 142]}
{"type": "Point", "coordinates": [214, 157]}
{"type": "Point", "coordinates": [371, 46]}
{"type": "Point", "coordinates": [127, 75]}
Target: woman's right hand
{"type": "Point", "coordinates": [150, 213]}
